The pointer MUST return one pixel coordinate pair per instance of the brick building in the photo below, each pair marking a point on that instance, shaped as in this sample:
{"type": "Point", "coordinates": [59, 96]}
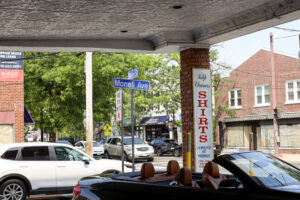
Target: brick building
{"type": "Point", "coordinates": [13, 113]}
{"type": "Point", "coordinates": [248, 94]}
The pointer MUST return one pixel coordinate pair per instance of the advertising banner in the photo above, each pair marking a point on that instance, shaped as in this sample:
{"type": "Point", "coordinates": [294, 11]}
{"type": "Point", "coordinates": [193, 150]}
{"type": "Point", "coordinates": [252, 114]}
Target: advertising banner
{"type": "Point", "coordinates": [11, 75]}
{"type": "Point", "coordinates": [11, 66]}
{"type": "Point", "coordinates": [202, 117]}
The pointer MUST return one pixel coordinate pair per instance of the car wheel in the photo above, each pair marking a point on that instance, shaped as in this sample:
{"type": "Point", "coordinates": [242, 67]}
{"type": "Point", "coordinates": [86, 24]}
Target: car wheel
{"type": "Point", "coordinates": [13, 189]}
{"type": "Point", "coordinates": [177, 153]}
{"type": "Point", "coordinates": [106, 155]}
{"type": "Point", "coordinates": [159, 152]}
{"type": "Point", "coordinates": [150, 159]}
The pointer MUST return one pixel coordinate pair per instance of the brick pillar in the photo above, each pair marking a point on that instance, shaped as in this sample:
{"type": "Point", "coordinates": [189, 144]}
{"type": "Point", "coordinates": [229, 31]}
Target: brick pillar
{"type": "Point", "coordinates": [189, 59]}
{"type": "Point", "coordinates": [12, 99]}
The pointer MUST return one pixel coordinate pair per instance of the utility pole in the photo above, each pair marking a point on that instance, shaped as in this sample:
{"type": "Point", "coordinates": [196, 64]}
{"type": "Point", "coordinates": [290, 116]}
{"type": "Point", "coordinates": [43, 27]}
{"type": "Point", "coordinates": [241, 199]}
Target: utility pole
{"type": "Point", "coordinates": [299, 54]}
{"type": "Point", "coordinates": [274, 103]}
{"type": "Point", "coordinates": [132, 131]}
{"type": "Point", "coordinates": [89, 102]}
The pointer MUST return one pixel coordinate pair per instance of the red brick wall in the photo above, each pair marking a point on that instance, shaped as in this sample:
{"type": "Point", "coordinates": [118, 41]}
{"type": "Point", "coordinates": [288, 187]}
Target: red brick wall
{"type": "Point", "coordinates": [12, 99]}
{"type": "Point", "coordinates": [257, 71]}
{"type": "Point", "coordinates": [190, 58]}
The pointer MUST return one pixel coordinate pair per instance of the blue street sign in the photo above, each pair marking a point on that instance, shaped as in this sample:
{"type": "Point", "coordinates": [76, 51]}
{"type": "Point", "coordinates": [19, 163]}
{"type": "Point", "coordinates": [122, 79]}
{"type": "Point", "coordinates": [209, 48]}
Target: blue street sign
{"type": "Point", "coordinates": [133, 74]}
{"type": "Point", "coordinates": [130, 84]}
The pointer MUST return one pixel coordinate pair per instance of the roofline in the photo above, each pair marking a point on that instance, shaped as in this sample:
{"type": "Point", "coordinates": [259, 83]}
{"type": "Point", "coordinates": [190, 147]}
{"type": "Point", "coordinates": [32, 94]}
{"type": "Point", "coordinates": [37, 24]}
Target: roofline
{"type": "Point", "coordinates": [262, 49]}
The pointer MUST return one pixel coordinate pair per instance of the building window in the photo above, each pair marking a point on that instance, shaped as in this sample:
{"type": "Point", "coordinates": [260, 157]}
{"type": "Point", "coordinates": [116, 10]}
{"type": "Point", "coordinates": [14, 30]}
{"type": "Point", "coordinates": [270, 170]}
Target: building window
{"type": "Point", "coordinates": [262, 95]}
{"type": "Point", "coordinates": [293, 91]}
{"type": "Point", "coordinates": [235, 98]}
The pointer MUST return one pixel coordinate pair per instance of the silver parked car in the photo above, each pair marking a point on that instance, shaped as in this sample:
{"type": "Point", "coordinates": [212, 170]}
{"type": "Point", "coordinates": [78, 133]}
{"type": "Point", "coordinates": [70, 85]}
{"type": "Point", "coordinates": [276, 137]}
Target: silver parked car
{"type": "Point", "coordinates": [98, 149]}
{"type": "Point", "coordinates": [142, 150]}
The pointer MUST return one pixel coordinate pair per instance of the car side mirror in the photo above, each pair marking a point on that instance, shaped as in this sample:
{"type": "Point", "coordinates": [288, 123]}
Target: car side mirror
{"type": "Point", "coordinates": [86, 160]}
{"type": "Point", "coordinates": [119, 143]}
{"type": "Point", "coordinates": [230, 183]}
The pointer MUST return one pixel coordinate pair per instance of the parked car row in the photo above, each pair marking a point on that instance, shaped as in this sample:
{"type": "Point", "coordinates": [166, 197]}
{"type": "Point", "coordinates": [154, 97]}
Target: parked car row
{"type": "Point", "coordinates": [47, 168]}
{"type": "Point", "coordinates": [143, 151]}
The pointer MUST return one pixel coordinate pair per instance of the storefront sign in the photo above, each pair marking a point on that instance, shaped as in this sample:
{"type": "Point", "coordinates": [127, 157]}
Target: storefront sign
{"type": "Point", "coordinates": [202, 117]}
{"type": "Point", "coordinates": [11, 75]}
{"type": "Point", "coordinates": [11, 60]}
{"type": "Point", "coordinates": [11, 66]}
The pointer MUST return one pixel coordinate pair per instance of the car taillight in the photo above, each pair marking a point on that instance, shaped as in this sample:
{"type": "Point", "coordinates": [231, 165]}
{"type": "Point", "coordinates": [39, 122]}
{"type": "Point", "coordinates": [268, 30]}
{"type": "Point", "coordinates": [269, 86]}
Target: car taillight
{"type": "Point", "coordinates": [76, 190]}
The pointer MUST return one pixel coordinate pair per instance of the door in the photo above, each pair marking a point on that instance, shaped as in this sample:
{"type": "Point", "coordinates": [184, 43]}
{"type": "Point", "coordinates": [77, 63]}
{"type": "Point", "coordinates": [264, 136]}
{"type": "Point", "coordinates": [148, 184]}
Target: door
{"type": "Point", "coordinates": [112, 147]}
{"type": "Point", "coordinates": [36, 166]}
{"type": "Point", "coordinates": [70, 167]}
{"type": "Point", "coordinates": [118, 147]}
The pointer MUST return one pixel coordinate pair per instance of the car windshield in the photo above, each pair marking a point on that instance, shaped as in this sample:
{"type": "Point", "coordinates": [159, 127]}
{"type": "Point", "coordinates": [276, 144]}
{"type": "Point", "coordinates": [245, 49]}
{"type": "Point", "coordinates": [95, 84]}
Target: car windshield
{"type": "Point", "coordinates": [96, 144]}
{"type": "Point", "coordinates": [266, 170]}
{"type": "Point", "coordinates": [127, 141]}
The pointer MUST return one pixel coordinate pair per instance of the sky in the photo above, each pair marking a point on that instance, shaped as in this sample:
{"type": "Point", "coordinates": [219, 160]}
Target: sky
{"type": "Point", "coordinates": [234, 52]}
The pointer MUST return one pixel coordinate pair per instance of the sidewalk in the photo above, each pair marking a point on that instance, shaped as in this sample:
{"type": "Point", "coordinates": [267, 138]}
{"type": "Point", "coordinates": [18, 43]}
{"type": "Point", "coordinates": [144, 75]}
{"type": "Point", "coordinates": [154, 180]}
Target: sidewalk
{"type": "Point", "coordinates": [290, 157]}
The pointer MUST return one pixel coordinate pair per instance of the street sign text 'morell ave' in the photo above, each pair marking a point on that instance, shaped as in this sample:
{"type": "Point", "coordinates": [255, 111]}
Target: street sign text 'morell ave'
{"type": "Point", "coordinates": [129, 84]}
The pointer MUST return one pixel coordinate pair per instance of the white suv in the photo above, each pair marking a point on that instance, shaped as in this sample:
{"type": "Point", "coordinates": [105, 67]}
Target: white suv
{"type": "Point", "coordinates": [142, 150]}
{"type": "Point", "coordinates": [47, 168]}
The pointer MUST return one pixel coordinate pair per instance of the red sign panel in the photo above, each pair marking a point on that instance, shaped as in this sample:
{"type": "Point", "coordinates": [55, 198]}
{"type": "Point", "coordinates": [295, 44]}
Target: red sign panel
{"type": "Point", "coordinates": [11, 75]}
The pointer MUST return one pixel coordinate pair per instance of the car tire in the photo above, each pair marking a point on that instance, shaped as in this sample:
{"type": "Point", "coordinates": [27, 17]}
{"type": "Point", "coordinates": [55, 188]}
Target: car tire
{"type": "Point", "coordinates": [159, 152]}
{"type": "Point", "coordinates": [177, 153]}
{"type": "Point", "coordinates": [13, 189]}
{"type": "Point", "coordinates": [150, 159]}
{"type": "Point", "coordinates": [106, 155]}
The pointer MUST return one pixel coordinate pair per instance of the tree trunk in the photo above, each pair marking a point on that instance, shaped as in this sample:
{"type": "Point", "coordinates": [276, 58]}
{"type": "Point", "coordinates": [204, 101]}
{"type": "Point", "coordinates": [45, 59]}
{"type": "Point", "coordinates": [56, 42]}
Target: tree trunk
{"type": "Point", "coordinates": [52, 135]}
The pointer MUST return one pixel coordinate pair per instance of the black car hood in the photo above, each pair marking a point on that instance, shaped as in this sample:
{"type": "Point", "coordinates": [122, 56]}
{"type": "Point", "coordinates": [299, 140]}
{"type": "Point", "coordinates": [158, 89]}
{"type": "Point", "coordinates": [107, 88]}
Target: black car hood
{"type": "Point", "coordinates": [289, 188]}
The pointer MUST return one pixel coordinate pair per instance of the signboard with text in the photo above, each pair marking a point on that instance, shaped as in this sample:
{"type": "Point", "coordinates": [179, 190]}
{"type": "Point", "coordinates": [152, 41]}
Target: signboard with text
{"type": "Point", "coordinates": [11, 66]}
{"type": "Point", "coordinates": [119, 105]}
{"type": "Point", "coordinates": [130, 84]}
{"type": "Point", "coordinates": [202, 117]}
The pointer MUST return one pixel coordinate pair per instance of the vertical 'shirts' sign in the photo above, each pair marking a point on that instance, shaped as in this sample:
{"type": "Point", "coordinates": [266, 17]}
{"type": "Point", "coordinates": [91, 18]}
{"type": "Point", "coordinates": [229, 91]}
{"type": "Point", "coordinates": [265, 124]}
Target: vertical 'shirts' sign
{"type": "Point", "coordinates": [202, 117]}
{"type": "Point", "coordinates": [11, 66]}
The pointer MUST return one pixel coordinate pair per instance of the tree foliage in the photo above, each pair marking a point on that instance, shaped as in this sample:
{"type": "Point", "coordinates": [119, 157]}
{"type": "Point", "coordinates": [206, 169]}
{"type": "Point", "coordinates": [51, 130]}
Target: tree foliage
{"type": "Point", "coordinates": [55, 87]}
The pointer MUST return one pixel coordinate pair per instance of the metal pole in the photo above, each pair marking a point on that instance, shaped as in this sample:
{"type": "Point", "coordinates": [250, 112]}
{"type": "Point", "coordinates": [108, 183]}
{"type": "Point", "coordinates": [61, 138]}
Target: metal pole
{"type": "Point", "coordinates": [122, 134]}
{"type": "Point", "coordinates": [132, 131]}
{"type": "Point", "coordinates": [188, 153]}
{"type": "Point", "coordinates": [89, 102]}
{"type": "Point", "coordinates": [274, 104]}
{"type": "Point", "coordinates": [251, 147]}
{"type": "Point", "coordinates": [122, 138]}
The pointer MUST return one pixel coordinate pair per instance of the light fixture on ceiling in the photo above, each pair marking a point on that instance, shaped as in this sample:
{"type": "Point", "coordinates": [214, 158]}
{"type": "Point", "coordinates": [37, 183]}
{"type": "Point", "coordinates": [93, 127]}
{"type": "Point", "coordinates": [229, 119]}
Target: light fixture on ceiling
{"type": "Point", "coordinates": [177, 6]}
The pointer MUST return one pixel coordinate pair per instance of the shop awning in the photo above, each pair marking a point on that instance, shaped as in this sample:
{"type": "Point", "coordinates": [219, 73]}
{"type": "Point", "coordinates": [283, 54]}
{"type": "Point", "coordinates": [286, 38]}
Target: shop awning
{"type": "Point", "coordinates": [27, 117]}
{"type": "Point", "coordinates": [153, 120]}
